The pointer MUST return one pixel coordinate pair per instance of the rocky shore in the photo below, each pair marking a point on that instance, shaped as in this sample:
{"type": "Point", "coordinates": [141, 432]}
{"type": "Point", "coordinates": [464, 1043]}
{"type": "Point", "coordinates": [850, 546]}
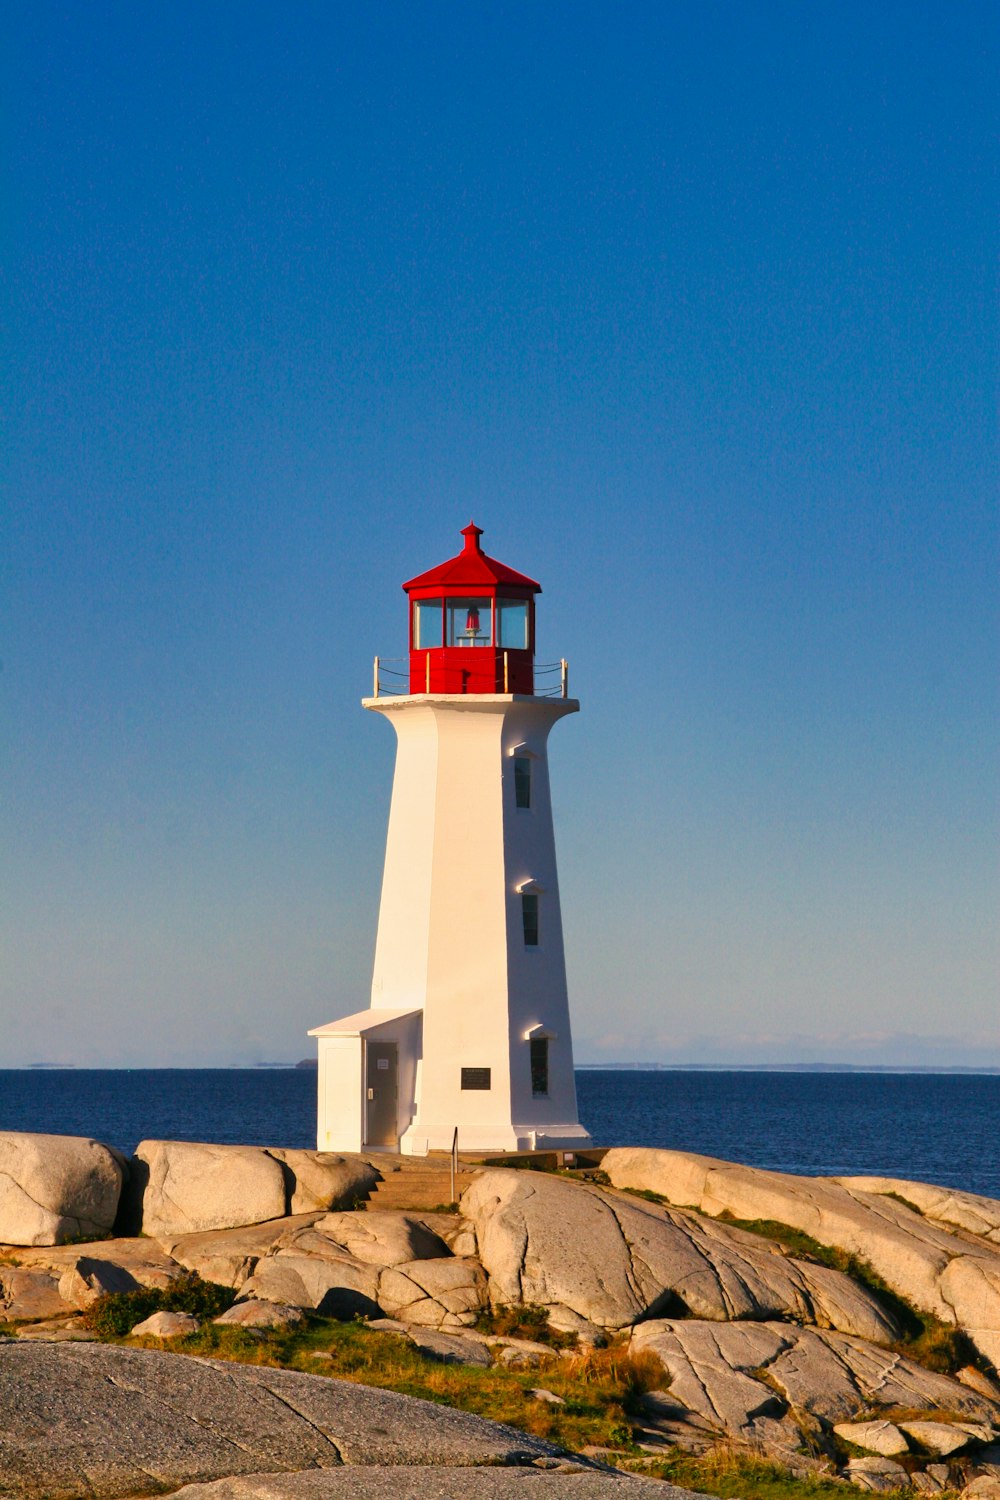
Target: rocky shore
{"type": "Point", "coordinates": [844, 1327]}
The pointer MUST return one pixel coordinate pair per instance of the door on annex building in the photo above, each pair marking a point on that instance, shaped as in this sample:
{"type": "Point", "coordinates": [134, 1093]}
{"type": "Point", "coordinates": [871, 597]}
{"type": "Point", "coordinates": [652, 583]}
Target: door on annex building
{"type": "Point", "coordinates": [381, 1068]}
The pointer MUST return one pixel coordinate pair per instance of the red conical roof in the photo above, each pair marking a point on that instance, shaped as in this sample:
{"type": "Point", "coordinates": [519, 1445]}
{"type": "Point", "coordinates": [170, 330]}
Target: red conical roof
{"type": "Point", "coordinates": [472, 569]}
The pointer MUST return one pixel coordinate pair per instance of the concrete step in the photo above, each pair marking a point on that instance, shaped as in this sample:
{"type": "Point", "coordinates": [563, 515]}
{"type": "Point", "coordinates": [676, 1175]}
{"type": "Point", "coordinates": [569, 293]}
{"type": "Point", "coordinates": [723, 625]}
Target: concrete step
{"type": "Point", "coordinates": [418, 1185]}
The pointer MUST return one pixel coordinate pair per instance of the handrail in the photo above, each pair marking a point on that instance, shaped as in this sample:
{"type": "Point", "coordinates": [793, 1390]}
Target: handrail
{"type": "Point", "coordinates": [454, 1162]}
{"type": "Point", "coordinates": [545, 669]}
{"type": "Point", "coordinates": [397, 688]}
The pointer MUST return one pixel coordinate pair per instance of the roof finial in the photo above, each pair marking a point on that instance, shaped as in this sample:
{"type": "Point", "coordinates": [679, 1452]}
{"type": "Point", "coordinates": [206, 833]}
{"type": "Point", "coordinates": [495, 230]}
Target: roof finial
{"type": "Point", "coordinates": [472, 533]}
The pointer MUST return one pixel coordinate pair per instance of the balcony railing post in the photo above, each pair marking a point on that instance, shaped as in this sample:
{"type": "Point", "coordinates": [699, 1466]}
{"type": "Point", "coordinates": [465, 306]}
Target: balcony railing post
{"type": "Point", "coordinates": [375, 693]}
{"type": "Point", "coordinates": [564, 664]}
{"type": "Point", "coordinates": [506, 673]}
{"type": "Point", "coordinates": [427, 673]}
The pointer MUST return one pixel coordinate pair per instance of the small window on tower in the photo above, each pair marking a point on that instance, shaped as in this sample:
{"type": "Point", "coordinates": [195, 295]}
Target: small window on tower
{"type": "Point", "coordinates": [539, 1065]}
{"type": "Point", "coordinates": [522, 781]}
{"type": "Point", "coordinates": [529, 917]}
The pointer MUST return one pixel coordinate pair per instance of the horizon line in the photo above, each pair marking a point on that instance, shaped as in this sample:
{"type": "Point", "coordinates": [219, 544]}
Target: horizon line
{"type": "Point", "coordinates": [306, 1064]}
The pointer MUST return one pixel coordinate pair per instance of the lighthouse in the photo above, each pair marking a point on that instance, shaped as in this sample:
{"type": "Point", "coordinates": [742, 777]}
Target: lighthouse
{"type": "Point", "coordinates": [468, 1027]}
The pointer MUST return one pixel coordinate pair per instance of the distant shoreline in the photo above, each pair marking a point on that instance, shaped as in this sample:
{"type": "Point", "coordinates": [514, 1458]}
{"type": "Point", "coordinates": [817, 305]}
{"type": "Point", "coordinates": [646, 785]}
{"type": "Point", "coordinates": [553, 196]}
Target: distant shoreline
{"type": "Point", "coordinates": [937, 1068]}
{"type": "Point", "coordinates": [612, 1067]}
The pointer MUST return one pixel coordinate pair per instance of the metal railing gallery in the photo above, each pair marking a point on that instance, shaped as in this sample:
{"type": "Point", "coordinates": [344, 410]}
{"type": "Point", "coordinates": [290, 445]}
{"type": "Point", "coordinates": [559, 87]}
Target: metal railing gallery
{"type": "Point", "coordinates": [391, 677]}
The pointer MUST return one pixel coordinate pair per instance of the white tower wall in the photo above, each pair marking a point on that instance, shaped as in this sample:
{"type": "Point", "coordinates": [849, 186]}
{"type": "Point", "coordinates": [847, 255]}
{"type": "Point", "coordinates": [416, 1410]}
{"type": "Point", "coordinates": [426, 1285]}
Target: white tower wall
{"type": "Point", "coordinates": [450, 936]}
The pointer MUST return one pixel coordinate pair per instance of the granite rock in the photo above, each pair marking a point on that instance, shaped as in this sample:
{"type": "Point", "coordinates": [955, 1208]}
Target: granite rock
{"type": "Point", "coordinates": [943, 1438]}
{"type": "Point", "coordinates": [143, 1261]}
{"type": "Point", "coordinates": [565, 1320]}
{"type": "Point", "coordinates": [983, 1487]}
{"type": "Point", "coordinates": [447, 1293]}
{"type": "Point", "coordinates": [255, 1314]}
{"type": "Point", "coordinates": [101, 1421]}
{"type": "Point", "coordinates": [30, 1294]}
{"type": "Point", "coordinates": [926, 1483]}
{"type": "Point", "coordinates": [181, 1187]}
{"type": "Point", "coordinates": [57, 1280]}
{"type": "Point", "coordinates": [337, 1286]}
{"type": "Point", "coordinates": [450, 1348]}
{"type": "Point", "coordinates": [875, 1437]}
{"type": "Point", "coordinates": [166, 1325]}
{"type": "Point", "coordinates": [948, 1207]}
{"type": "Point", "coordinates": [564, 1481]}
{"type": "Point", "coordinates": [880, 1475]}
{"type": "Point", "coordinates": [55, 1188]}
{"type": "Point", "coordinates": [611, 1260]}
{"type": "Point", "coordinates": [229, 1256]}
{"type": "Point", "coordinates": [954, 1276]}
{"type": "Point", "coordinates": [321, 1180]}
{"type": "Point", "coordinates": [379, 1237]}
{"type": "Point", "coordinates": [56, 1331]}
{"type": "Point", "coordinates": [718, 1371]}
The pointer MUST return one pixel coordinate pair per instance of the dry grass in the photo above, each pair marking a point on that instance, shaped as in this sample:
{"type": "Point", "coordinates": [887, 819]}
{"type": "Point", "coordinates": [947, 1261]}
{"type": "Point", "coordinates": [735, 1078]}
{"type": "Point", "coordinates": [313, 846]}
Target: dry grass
{"type": "Point", "coordinates": [601, 1389]}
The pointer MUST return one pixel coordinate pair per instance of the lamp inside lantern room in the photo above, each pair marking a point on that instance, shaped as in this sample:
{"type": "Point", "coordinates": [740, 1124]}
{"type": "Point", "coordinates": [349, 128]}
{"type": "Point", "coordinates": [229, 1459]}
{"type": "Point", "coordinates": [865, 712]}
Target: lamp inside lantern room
{"type": "Point", "coordinates": [472, 621]}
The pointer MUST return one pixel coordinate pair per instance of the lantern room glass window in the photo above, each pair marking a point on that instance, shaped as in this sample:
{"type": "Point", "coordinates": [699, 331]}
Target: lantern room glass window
{"type": "Point", "coordinates": [427, 624]}
{"type": "Point", "coordinates": [470, 622]}
{"type": "Point", "coordinates": [512, 624]}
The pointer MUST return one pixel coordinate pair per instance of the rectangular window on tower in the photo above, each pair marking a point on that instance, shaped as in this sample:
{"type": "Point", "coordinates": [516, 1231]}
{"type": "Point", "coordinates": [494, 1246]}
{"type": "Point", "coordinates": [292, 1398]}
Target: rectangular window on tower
{"type": "Point", "coordinates": [428, 624]}
{"type": "Point", "coordinates": [529, 918]}
{"type": "Point", "coordinates": [522, 781]}
{"type": "Point", "coordinates": [539, 1065]}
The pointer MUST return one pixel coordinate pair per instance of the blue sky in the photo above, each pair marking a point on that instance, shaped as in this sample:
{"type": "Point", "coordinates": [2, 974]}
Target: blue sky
{"type": "Point", "coordinates": [693, 309]}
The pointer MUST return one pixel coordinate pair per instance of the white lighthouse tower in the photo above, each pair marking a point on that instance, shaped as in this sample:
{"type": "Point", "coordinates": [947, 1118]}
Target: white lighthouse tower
{"type": "Point", "coordinates": [468, 1026]}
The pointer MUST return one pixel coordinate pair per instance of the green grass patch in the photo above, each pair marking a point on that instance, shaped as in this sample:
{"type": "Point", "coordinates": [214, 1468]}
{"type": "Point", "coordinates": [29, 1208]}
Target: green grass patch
{"type": "Point", "coordinates": [648, 1195]}
{"type": "Point", "coordinates": [925, 1339]}
{"type": "Point", "coordinates": [904, 1201]}
{"type": "Point", "coordinates": [522, 1163]}
{"type": "Point", "coordinates": [795, 1241]}
{"type": "Point", "coordinates": [735, 1474]}
{"type": "Point", "coordinates": [660, 1200]}
{"type": "Point", "coordinates": [115, 1314]}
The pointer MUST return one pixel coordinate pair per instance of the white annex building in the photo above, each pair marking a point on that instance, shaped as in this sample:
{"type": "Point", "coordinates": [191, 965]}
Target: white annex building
{"type": "Point", "coordinates": [468, 1026]}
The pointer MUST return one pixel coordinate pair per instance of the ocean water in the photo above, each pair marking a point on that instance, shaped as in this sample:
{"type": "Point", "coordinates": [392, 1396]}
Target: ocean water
{"type": "Point", "coordinates": [930, 1127]}
{"type": "Point", "coordinates": [941, 1128]}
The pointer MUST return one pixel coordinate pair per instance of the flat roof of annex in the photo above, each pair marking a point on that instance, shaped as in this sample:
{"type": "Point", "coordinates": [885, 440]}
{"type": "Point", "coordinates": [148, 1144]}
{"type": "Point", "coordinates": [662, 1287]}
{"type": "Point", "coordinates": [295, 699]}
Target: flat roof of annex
{"type": "Point", "coordinates": [472, 570]}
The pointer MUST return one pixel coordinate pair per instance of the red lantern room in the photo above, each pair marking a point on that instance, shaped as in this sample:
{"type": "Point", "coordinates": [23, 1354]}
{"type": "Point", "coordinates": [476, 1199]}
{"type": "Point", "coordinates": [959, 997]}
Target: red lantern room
{"type": "Point", "coordinates": [472, 625]}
